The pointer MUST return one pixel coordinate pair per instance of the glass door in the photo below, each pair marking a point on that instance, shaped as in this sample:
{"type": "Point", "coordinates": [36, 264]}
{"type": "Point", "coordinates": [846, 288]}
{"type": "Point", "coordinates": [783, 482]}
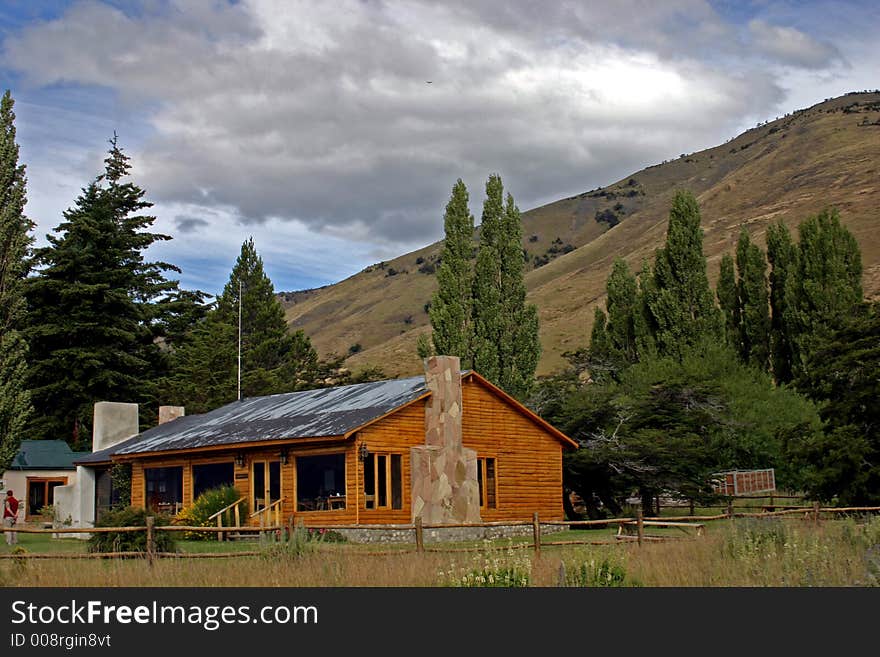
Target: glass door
{"type": "Point", "coordinates": [266, 486]}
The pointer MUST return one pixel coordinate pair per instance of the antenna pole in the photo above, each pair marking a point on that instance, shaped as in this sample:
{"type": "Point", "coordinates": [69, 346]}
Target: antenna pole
{"type": "Point", "coordinates": [239, 339]}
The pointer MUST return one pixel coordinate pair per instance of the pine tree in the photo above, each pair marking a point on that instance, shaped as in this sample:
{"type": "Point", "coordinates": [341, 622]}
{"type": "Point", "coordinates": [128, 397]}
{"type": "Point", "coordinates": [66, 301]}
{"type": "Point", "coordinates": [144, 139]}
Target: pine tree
{"type": "Point", "coordinates": [681, 302]}
{"type": "Point", "coordinates": [728, 300]}
{"type": "Point", "coordinates": [451, 307]}
{"type": "Point", "coordinates": [15, 240]}
{"type": "Point", "coordinates": [273, 360]}
{"type": "Point", "coordinates": [623, 310]}
{"type": "Point", "coordinates": [782, 254]}
{"type": "Point", "coordinates": [507, 346]}
{"type": "Point", "coordinates": [754, 308]}
{"type": "Point", "coordinates": [94, 306]}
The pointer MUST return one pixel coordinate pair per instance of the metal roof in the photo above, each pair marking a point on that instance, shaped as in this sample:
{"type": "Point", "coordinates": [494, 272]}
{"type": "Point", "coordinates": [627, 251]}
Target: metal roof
{"type": "Point", "coordinates": [44, 455]}
{"type": "Point", "coordinates": [309, 413]}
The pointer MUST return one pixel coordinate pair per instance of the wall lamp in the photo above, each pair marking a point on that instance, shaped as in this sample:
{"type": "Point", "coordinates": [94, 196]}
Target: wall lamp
{"type": "Point", "coordinates": [283, 457]}
{"type": "Point", "coordinates": [363, 452]}
{"type": "Point", "coordinates": [239, 460]}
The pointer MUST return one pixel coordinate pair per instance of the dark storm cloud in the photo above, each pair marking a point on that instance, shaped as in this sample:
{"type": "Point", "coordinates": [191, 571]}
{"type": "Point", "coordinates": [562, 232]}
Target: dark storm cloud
{"type": "Point", "coordinates": [190, 224]}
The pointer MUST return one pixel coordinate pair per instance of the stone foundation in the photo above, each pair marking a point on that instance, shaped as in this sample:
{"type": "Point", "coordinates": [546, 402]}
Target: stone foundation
{"type": "Point", "coordinates": [392, 534]}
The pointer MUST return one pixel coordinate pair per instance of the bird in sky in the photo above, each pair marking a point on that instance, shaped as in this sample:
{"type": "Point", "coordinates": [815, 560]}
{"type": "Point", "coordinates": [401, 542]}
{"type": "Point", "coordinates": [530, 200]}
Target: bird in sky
{"type": "Point", "coordinates": [428, 81]}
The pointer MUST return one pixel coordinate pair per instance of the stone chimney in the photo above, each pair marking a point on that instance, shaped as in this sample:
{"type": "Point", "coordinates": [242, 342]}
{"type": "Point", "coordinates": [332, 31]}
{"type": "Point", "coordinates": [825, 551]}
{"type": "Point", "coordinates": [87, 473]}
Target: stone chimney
{"type": "Point", "coordinates": [168, 413]}
{"type": "Point", "coordinates": [113, 423]}
{"type": "Point", "coordinates": [444, 473]}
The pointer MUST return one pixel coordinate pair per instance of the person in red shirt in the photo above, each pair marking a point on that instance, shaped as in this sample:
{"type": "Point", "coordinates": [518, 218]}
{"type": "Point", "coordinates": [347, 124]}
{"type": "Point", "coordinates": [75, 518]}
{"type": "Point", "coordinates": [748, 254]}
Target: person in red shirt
{"type": "Point", "coordinates": [10, 513]}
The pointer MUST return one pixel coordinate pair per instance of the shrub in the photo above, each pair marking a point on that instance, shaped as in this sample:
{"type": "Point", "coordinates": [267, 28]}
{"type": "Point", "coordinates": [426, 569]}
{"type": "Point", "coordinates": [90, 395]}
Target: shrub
{"type": "Point", "coordinates": [603, 573]}
{"type": "Point", "coordinates": [130, 541]}
{"type": "Point", "coordinates": [353, 349]}
{"type": "Point", "coordinates": [206, 505]}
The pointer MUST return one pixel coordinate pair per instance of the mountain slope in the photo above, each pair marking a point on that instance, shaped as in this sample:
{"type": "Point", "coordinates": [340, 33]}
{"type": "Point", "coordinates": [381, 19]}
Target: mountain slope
{"type": "Point", "coordinates": [788, 169]}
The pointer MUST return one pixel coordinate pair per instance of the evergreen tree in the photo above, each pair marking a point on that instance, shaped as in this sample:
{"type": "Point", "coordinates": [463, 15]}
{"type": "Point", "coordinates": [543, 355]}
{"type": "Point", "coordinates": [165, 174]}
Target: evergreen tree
{"type": "Point", "coordinates": [15, 240]}
{"type": "Point", "coordinates": [614, 342]}
{"type": "Point", "coordinates": [782, 254]}
{"type": "Point", "coordinates": [451, 307]}
{"type": "Point", "coordinates": [753, 306]}
{"type": "Point", "coordinates": [728, 300]}
{"type": "Point", "coordinates": [680, 301]}
{"type": "Point", "coordinates": [273, 360]}
{"type": "Point", "coordinates": [94, 306]}
{"type": "Point", "coordinates": [507, 346]}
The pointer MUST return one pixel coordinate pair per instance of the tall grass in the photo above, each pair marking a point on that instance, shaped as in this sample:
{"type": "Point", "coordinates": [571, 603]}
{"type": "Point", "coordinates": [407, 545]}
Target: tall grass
{"type": "Point", "coordinates": [761, 552]}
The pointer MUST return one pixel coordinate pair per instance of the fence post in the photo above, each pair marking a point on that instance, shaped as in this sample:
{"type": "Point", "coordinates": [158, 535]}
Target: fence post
{"type": "Point", "coordinates": [536, 531]}
{"type": "Point", "coordinates": [151, 544]}
{"type": "Point", "coordinates": [220, 524]}
{"type": "Point", "coordinates": [816, 507]}
{"type": "Point", "coordinates": [730, 508]}
{"type": "Point", "coordinates": [420, 535]}
{"type": "Point", "coordinates": [692, 506]}
{"type": "Point", "coordinates": [640, 524]}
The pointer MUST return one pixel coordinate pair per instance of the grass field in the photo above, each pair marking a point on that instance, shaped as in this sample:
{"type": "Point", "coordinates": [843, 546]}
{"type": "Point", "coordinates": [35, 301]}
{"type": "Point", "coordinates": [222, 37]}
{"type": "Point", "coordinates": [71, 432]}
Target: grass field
{"type": "Point", "coordinates": [742, 552]}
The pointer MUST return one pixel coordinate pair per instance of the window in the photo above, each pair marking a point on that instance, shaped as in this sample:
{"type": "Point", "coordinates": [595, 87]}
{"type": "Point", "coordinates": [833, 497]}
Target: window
{"type": "Point", "coordinates": [212, 475]}
{"type": "Point", "coordinates": [320, 482]}
{"type": "Point", "coordinates": [383, 487]}
{"type": "Point", "coordinates": [41, 492]}
{"type": "Point", "coordinates": [164, 489]}
{"type": "Point", "coordinates": [486, 482]}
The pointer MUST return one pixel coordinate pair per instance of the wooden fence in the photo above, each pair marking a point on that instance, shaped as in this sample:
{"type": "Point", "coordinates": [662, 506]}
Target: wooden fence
{"type": "Point", "coordinates": [631, 529]}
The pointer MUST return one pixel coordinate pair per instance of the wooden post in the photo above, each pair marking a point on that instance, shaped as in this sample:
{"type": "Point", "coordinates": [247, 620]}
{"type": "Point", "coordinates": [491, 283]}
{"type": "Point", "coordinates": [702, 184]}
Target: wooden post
{"type": "Point", "coordinates": [220, 524]}
{"type": "Point", "coordinates": [816, 507]}
{"type": "Point", "coordinates": [692, 506]}
{"type": "Point", "coordinates": [151, 544]}
{"type": "Point", "coordinates": [536, 531]}
{"type": "Point", "coordinates": [658, 507]}
{"type": "Point", "coordinates": [640, 524]}
{"type": "Point", "coordinates": [730, 508]}
{"type": "Point", "coordinates": [420, 536]}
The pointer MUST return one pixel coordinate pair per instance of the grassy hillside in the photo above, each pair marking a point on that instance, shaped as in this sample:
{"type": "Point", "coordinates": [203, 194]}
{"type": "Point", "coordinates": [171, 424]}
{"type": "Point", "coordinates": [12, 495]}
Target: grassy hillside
{"type": "Point", "coordinates": [788, 169]}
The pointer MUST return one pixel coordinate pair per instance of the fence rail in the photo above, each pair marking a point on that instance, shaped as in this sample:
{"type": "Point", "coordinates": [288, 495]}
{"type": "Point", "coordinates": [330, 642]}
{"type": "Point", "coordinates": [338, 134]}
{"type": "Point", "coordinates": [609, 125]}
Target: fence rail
{"type": "Point", "coordinates": [630, 529]}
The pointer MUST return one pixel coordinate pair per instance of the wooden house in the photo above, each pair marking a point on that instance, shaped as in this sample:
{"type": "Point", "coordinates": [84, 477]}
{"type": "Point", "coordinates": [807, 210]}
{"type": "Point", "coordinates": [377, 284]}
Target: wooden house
{"type": "Point", "coordinates": [346, 455]}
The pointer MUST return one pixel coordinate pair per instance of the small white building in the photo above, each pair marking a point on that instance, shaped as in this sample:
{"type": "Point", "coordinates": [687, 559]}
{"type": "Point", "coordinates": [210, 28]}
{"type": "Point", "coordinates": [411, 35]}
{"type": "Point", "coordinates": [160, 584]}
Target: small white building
{"type": "Point", "coordinates": [38, 470]}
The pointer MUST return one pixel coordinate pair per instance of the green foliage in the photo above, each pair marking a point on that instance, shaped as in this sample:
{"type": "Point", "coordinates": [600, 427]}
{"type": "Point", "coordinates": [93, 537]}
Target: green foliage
{"type": "Point", "coordinates": [753, 304]}
{"type": "Point", "coordinates": [129, 541]}
{"type": "Point", "coordinates": [451, 306]}
{"type": "Point", "coordinates": [841, 375]}
{"type": "Point", "coordinates": [120, 477]}
{"type": "Point", "coordinates": [507, 346]}
{"type": "Point", "coordinates": [669, 423]}
{"type": "Point", "coordinates": [614, 344]}
{"type": "Point", "coordinates": [15, 241]}
{"type": "Point", "coordinates": [273, 360]}
{"type": "Point", "coordinates": [728, 299]}
{"type": "Point", "coordinates": [424, 347]}
{"type": "Point", "coordinates": [207, 504]}
{"type": "Point", "coordinates": [679, 300]}
{"type": "Point", "coordinates": [782, 254]}
{"type": "Point", "coordinates": [96, 307]}
{"type": "Point", "coordinates": [605, 573]}
{"type": "Point", "coordinates": [491, 569]}
{"type": "Point", "coordinates": [827, 283]}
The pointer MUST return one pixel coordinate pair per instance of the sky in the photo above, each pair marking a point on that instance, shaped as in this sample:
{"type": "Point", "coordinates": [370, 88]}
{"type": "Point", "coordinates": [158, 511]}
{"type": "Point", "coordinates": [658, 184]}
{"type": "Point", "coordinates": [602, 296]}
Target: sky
{"type": "Point", "coordinates": [333, 132]}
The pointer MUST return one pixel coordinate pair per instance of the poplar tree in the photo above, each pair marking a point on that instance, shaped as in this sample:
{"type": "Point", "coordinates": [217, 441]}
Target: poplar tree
{"type": "Point", "coordinates": [827, 283]}
{"type": "Point", "coordinates": [782, 255]}
{"type": "Point", "coordinates": [681, 303]}
{"type": "Point", "coordinates": [15, 240]}
{"type": "Point", "coordinates": [728, 299]}
{"type": "Point", "coordinates": [451, 307]}
{"type": "Point", "coordinates": [753, 305]}
{"type": "Point", "coordinates": [506, 341]}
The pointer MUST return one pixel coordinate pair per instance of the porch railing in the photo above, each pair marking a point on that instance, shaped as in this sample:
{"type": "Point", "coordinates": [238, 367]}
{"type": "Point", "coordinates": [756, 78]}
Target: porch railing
{"type": "Point", "coordinates": [220, 515]}
{"type": "Point", "coordinates": [269, 516]}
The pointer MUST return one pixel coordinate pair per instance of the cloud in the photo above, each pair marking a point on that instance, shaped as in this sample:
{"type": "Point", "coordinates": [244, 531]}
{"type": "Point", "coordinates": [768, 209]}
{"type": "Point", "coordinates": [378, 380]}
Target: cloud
{"type": "Point", "coordinates": [791, 46]}
{"type": "Point", "coordinates": [190, 224]}
{"type": "Point", "coordinates": [270, 114]}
